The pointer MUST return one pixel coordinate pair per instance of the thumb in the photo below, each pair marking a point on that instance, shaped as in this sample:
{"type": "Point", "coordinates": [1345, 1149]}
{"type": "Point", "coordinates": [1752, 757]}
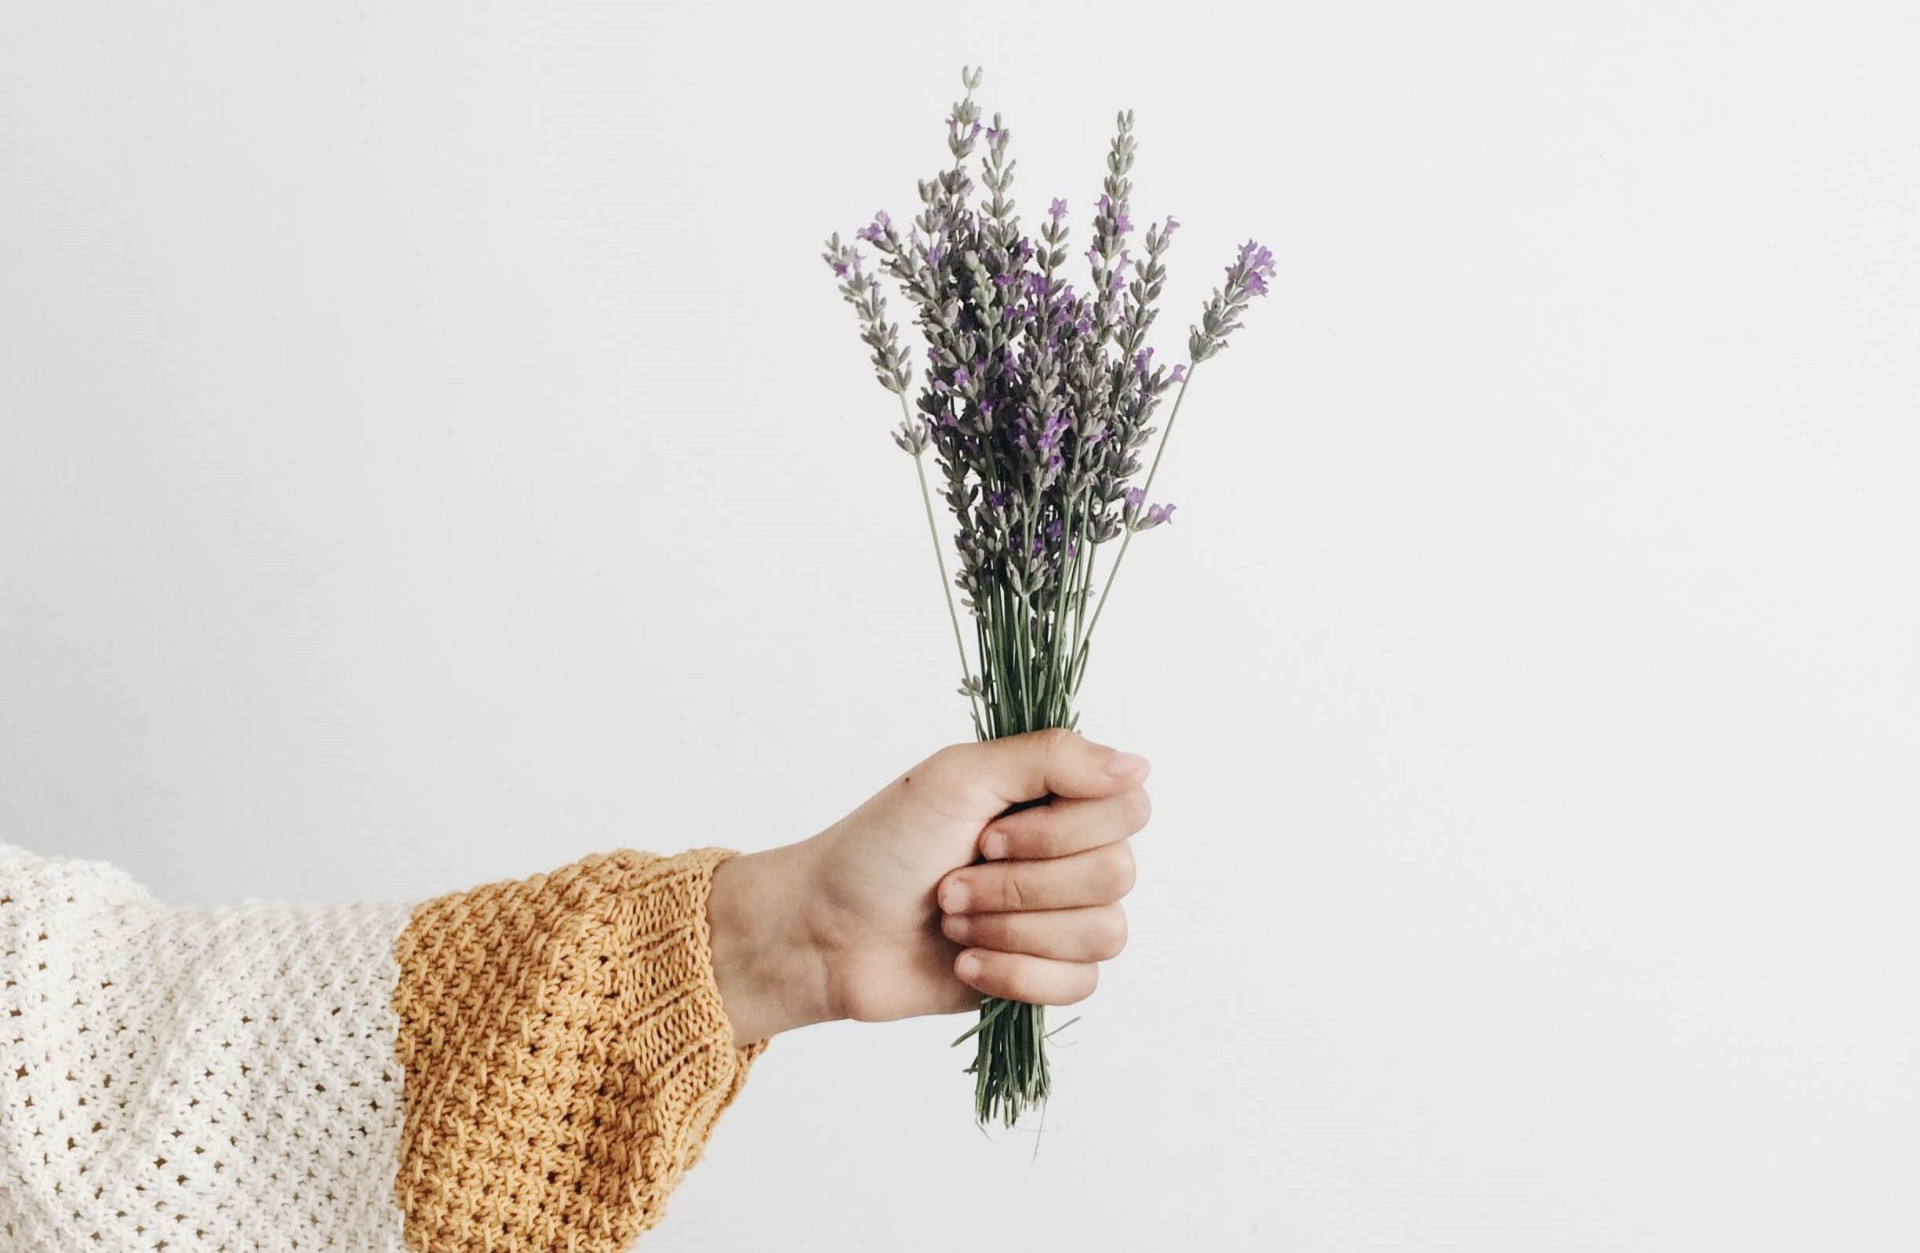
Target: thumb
{"type": "Point", "coordinates": [989, 776]}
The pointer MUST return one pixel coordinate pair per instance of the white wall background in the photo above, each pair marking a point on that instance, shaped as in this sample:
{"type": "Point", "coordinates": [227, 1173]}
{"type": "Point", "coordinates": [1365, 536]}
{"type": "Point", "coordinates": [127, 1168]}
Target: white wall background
{"type": "Point", "coordinates": [431, 449]}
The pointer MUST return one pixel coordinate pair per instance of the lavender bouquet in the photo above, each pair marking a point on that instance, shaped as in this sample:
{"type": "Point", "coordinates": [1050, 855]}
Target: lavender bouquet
{"type": "Point", "coordinates": [1038, 405]}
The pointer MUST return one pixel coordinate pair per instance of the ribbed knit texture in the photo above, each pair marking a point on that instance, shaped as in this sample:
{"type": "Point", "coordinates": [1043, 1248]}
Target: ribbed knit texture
{"type": "Point", "coordinates": [566, 1055]}
{"type": "Point", "coordinates": [528, 1067]}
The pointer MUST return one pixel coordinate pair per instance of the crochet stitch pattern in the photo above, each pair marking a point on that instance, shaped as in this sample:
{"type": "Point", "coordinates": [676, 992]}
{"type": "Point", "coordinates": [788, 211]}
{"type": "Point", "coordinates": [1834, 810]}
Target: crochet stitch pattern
{"type": "Point", "coordinates": [531, 1065]}
{"type": "Point", "coordinates": [198, 1080]}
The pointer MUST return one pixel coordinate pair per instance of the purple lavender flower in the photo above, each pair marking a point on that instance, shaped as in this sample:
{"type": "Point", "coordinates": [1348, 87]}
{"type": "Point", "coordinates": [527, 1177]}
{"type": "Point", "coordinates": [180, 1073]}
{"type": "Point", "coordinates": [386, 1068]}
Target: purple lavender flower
{"type": "Point", "coordinates": [1166, 232]}
{"type": "Point", "coordinates": [1122, 224]}
{"type": "Point", "coordinates": [1057, 210]}
{"type": "Point", "coordinates": [1154, 516]}
{"type": "Point", "coordinates": [1178, 373]}
{"type": "Point", "coordinates": [844, 261]}
{"type": "Point", "coordinates": [1257, 264]}
{"type": "Point", "coordinates": [1246, 277]}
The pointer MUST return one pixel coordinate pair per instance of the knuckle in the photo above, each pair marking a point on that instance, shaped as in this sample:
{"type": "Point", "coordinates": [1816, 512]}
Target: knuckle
{"type": "Point", "coordinates": [1018, 892]}
{"type": "Point", "coordinates": [1087, 980]}
{"type": "Point", "coordinates": [1053, 744]}
{"type": "Point", "coordinates": [1139, 808]}
{"type": "Point", "coordinates": [1118, 870]}
{"type": "Point", "coordinates": [1053, 739]}
{"type": "Point", "coordinates": [1028, 837]}
{"type": "Point", "coordinates": [1014, 980]}
{"type": "Point", "coordinates": [1111, 934]}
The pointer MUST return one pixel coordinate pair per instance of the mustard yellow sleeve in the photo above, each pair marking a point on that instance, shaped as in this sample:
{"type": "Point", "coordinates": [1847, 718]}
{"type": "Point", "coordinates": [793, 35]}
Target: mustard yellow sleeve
{"type": "Point", "coordinates": [565, 1055]}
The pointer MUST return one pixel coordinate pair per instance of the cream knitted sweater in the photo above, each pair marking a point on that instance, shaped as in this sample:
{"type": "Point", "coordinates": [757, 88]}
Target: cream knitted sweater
{"type": "Point", "coordinates": [529, 1066]}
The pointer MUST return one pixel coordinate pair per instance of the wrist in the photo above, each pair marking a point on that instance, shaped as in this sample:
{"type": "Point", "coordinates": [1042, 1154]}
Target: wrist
{"type": "Point", "coordinates": [771, 968]}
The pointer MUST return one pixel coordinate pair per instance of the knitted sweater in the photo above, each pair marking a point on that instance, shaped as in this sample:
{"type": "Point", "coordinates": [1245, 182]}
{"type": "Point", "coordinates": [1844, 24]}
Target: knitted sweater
{"type": "Point", "coordinates": [528, 1066]}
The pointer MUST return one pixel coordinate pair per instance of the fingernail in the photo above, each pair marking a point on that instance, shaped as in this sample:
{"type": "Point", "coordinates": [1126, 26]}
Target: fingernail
{"type": "Point", "coordinates": [953, 897]}
{"type": "Point", "coordinates": [1125, 763]}
{"type": "Point", "coordinates": [967, 966]}
{"type": "Point", "coordinates": [995, 845]}
{"type": "Point", "coordinates": [956, 927]}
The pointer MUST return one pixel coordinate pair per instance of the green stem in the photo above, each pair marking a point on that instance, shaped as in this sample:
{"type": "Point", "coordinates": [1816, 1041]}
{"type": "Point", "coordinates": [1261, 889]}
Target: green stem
{"type": "Point", "coordinates": [1023, 667]}
{"type": "Point", "coordinates": [1080, 660]}
{"type": "Point", "coordinates": [946, 588]}
{"type": "Point", "coordinates": [1070, 542]}
{"type": "Point", "coordinates": [1082, 573]}
{"type": "Point", "coordinates": [987, 679]}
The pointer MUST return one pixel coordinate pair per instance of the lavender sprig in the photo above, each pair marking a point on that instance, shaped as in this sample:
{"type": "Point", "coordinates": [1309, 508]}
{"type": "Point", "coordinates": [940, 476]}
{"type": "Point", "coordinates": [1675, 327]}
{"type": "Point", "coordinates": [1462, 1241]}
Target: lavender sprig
{"type": "Point", "coordinates": [895, 373]}
{"type": "Point", "coordinates": [1038, 403]}
{"type": "Point", "coordinates": [1246, 277]}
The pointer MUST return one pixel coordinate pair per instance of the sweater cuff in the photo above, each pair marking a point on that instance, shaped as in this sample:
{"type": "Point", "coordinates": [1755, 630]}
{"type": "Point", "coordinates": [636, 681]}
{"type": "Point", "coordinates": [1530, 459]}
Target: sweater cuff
{"type": "Point", "coordinates": [566, 1051]}
{"type": "Point", "coordinates": [681, 1034]}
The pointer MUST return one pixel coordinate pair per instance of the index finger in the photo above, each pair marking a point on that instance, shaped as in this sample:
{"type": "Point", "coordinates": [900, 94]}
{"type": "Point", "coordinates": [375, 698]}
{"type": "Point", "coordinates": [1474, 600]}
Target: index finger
{"type": "Point", "coordinates": [1066, 826]}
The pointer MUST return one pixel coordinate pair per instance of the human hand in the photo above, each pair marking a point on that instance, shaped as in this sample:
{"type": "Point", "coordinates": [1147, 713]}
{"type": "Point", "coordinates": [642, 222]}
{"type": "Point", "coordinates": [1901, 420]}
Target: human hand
{"type": "Point", "coordinates": [888, 914]}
